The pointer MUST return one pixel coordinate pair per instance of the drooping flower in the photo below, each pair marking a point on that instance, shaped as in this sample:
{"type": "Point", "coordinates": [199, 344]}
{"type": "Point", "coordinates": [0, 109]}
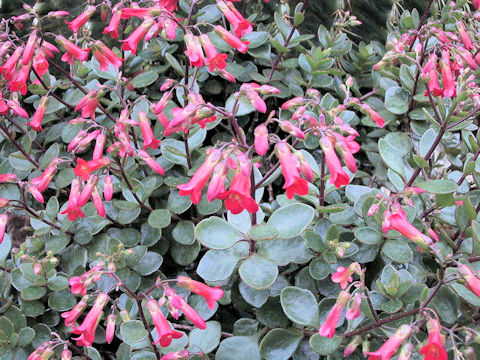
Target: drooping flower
{"type": "Point", "coordinates": [231, 39]}
{"type": "Point", "coordinates": [374, 116]}
{"type": "Point", "coordinates": [131, 43]}
{"type": "Point", "coordinates": [165, 333]}
{"type": "Point", "coordinates": [29, 47]}
{"type": "Point", "coordinates": [214, 59]}
{"type": "Point", "coordinates": [8, 178]}
{"type": "Point", "coordinates": [194, 50]}
{"type": "Point", "coordinates": [8, 68]}
{"type": "Point", "coordinates": [98, 202]}
{"type": "Point", "coordinates": [72, 316]}
{"type": "Point", "coordinates": [66, 354]}
{"type": "Point", "coordinates": [211, 295]}
{"type": "Point", "coordinates": [354, 311]}
{"type": "Point", "coordinates": [343, 276]}
{"type": "Point", "coordinates": [179, 303]}
{"type": "Point", "coordinates": [466, 40]}
{"type": "Point", "coordinates": [390, 347]}
{"type": "Point", "coordinates": [149, 140]}
{"type": "Point", "coordinates": [85, 168]}
{"type": "Point", "coordinates": [73, 211]}
{"type": "Point", "coordinates": [338, 176]}
{"type": "Point", "coordinates": [110, 332]}
{"type": "Point", "coordinates": [472, 281]}
{"type": "Point", "coordinates": [99, 145]}
{"type": "Point", "coordinates": [328, 327]}
{"type": "Point", "coordinates": [151, 162]}
{"type": "Point", "coordinates": [3, 226]}
{"type": "Point", "coordinates": [177, 355]}
{"type": "Point", "coordinates": [37, 119]}
{"type": "Point", "coordinates": [89, 103]}
{"type": "Point", "coordinates": [112, 28]}
{"type": "Point", "coordinates": [19, 81]}
{"type": "Point", "coordinates": [81, 19]}
{"type": "Point", "coordinates": [105, 56]}
{"type": "Point", "coordinates": [72, 51]}
{"type": "Point", "coordinates": [217, 183]}
{"type": "Point", "coordinates": [32, 189]}
{"type": "Point", "coordinates": [107, 188]}
{"type": "Point", "coordinates": [293, 130]}
{"type": "Point", "coordinates": [240, 25]}
{"type": "Point", "coordinates": [261, 139]}
{"type": "Point", "coordinates": [397, 220]}
{"type": "Point", "coordinates": [80, 283]}
{"type": "Point", "coordinates": [44, 180]}
{"type": "Point", "coordinates": [200, 177]}
{"type": "Point", "coordinates": [294, 184]}
{"type": "Point", "coordinates": [434, 349]}
{"type": "Point", "coordinates": [40, 63]}
{"type": "Point", "coordinates": [449, 86]}
{"type": "Point", "coordinates": [87, 190]}
{"type": "Point", "coordinates": [90, 323]}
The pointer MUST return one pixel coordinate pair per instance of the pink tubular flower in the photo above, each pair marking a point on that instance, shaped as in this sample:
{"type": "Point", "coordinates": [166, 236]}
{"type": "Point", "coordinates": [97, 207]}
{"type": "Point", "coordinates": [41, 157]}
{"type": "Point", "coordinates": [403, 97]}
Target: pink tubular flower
{"type": "Point", "coordinates": [200, 177]}
{"type": "Point", "coordinates": [294, 184]}
{"type": "Point", "coordinates": [44, 180]}
{"type": "Point", "coordinates": [214, 59]}
{"type": "Point", "coordinates": [36, 121]}
{"type": "Point", "coordinates": [131, 43]}
{"type": "Point", "coordinates": [90, 323]}
{"type": "Point", "coordinates": [72, 316]}
{"type": "Point", "coordinates": [66, 354]}
{"type": "Point", "coordinates": [466, 40]}
{"type": "Point", "coordinates": [81, 19]}
{"type": "Point", "coordinates": [165, 333]}
{"type": "Point", "coordinates": [29, 48]}
{"type": "Point", "coordinates": [105, 56]}
{"type": "Point", "coordinates": [433, 83]}
{"type": "Point", "coordinates": [49, 49]}
{"type": "Point", "coordinates": [179, 303]}
{"type": "Point", "coordinates": [41, 353]}
{"type": "Point", "coordinates": [35, 193]}
{"type": "Point", "coordinates": [17, 110]}
{"type": "Point", "coordinates": [449, 87]}
{"type": "Point", "coordinates": [8, 68]}
{"type": "Point", "coordinates": [257, 102]}
{"type": "Point", "coordinates": [85, 168]}
{"type": "Point", "coordinates": [434, 350]}
{"type": "Point", "coordinates": [149, 140]}
{"type": "Point", "coordinates": [89, 103]}
{"type": "Point", "coordinates": [57, 14]}
{"type": "Point", "coordinates": [108, 188]}
{"type": "Point", "coordinates": [240, 25]}
{"type": "Point", "coordinates": [8, 178]}
{"type": "Point", "coordinates": [217, 183]}
{"type": "Point", "coordinates": [87, 190]}
{"type": "Point", "coordinates": [354, 311]}
{"type": "Point", "coordinates": [472, 281]}
{"type": "Point", "coordinates": [80, 283]}
{"type": "Point", "coordinates": [73, 211]}
{"type": "Point", "coordinates": [304, 167]}
{"type": "Point", "coordinates": [338, 176]}
{"type": "Point", "coordinates": [391, 346]}
{"type": "Point", "coordinates": [177, 355]}
{"type": "Point", "coordinates": [231, 39]}
{"type": "Point", "coordinates": [98, 202]}
{"type": "Point", "coordinates": [398, 221]}
{"type": "Point", "coordinates": [19, 82]}
{"type": "Point", "coordinates": [261, 139]}
{"type": "Point", "coordinates": [343, 276]}
{"type": "Point", "coordinates": [374, 116]}
{"type": "Point", "coordinates": [112, 28]}
{"type": "Point", "coordinates": [151, 162]}
{"type": "Point", "coordinates": [110, 328]}
{"type": "Point", "coordinates": [292, 103]}
{"type": "Point", "coordinates": [99, 145]}
{"type": "Point", "coordinates": [40, 63]}
{"type": "Point", "coordinates": [72, 51]}
{"type": "Point", "coordinates": [293, 130]}
{"type": "Point", "coordinates": [328, 327]}
{"type": "Point", "coordinates": [3, 226]}
{"type": "Point", "coordinates": [211, 295]}
{"type": "Point", "coordinates": [194, 50]}
{"type": "Point", "coordinates": [346, 147]}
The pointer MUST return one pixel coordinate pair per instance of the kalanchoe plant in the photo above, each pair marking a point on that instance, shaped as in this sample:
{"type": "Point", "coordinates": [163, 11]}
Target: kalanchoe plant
{"type": "Point", "coordinates": [204, 179]}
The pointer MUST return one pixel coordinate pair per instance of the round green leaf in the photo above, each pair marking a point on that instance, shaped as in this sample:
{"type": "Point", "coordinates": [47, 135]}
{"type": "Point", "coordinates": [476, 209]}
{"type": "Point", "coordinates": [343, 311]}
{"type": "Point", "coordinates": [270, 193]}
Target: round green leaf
{"type": "Point", "coordinates": [324, 345]}
{"type": "Point", "coordinates": [262, 232]}
{"type": "Point", "coordinates": [206, 340]}
{"type": "Point", "coordinates": [218, 265]}
{"type": "Point", "coordinates": [439, 186]}
{"type": "Point", "coordinates": [299, 305]}
{"type": "Point", "coordinates": [257, 272]}
{"type": "Point", "coordinates": [216, 233]}
{"type": "Point", "coordinates": [26, 336]}
{"type": "Point", "coordinates": [184, 233]}
{"type": "Point", "coordinates": [291, 220]}
{"type": "Point", "coordinates": [144, 79]}
{"type": "Point", "coordinates": [397, 100]}
{"type": "Point", "coordinates": [238, 348]}
{"type": "Point", "coordinates": [368, 236]}
{"type": "Point", "coordinates": [397, 251]}
{"type": "Point", "coordinates": [159, 218]}
{"type": "Point", "coordinates": [319, 269]}
{"type": "Point", "coordinates": [279, 344]}
{"type": "Point", "coordinates": [133, 331]}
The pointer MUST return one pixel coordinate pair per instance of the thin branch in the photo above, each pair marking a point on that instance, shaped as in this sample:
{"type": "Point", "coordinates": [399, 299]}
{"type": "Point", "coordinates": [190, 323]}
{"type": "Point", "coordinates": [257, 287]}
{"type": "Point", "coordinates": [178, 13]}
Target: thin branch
{"type": "Point", "coordinates": [19, 147]}
{"type": "Point", "coordinates": [24, 132]}
{"type": "Point", "coordinates": [46, 87]}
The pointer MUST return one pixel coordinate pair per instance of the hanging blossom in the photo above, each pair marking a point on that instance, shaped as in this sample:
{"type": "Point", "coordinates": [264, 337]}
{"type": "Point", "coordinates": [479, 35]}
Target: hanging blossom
{"type": "Point", "coordinates": [471, 279]}
{"type": "Point", "coordinates": [86, 330]}
{"type": "Point", "coordinates": [240, 25]}
{"type": "Point", "coordinates": [343, 276]}
{"type": "Point", "coordinates": [327, 329]}
{"type": "Point", "coordinates": [211, 295]}
{"type": "Point", "coordinates": [390, 347]}
{"type": "Point", "coordinates": [435, 347]}
{"type": "Point", "coordinates": [105, 56]}
{"type": "Point", "coordinates": [72, 51]}
{"type": "Point", "coordinates": [81, 19]}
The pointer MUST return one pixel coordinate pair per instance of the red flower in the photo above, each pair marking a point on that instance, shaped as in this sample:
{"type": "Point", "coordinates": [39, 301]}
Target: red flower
{"type": "Point", "coordinates": [149, 140]}
{"type": "Point", "coordinates": [194, 50]}
{"type": "Point", "coordinates": [36, 122]}
{"type": "Point", "coordinates": [200, 177]}
{"type": "Point", "coordinates": [44, 180]}
{"type": "Point", "coordinates": [177, 355]}
{"type": "Point", "coordinates": [328, 327]}
{"type": "Point", "coordinates": [165, 333]}
{"type": "Point", "coordinates": [217, 183]}
{"type": "Point", "coordinates": [99, 145]}
{"type": "Point", "coordinates": [374, 116]}
{"type": "Point", "coordinates": [98, 202]}
{"type": "Point", "coordinates": [80, 283]}
{"type": "Point", "coordinates": [8, 68]}
{"type": "Point", "coordinates": [108, 188]}
{"type": "Point", "coordinates": [391, 346]}
{"type": "Point", "coordinates": [19, 82]}
{"type": "Point", "coordinates": [90, 323]}
{"type": "Point", "coordinates": [240, 25]}
{"type": "Point", "coordinates": [261, 139]}
{"type": "Point", "coordinates": [81, 19]}
{"type": "Point", "coordinates": [131, 43]}
{"type": "Point", "coordinates": [294, 184]}
{"type": "Point", "coordinates": [170, 5]}
{"type": "Point", "coordinates": [338, 176]}
{"type": "Point", "coordinates": [29, 48]}
{"type": "Point", "coordinates": [231, 39]}
{"type": "Point", "coordinates": [449, 87]}
{"type": "Point", "coordinates": [8, 178]}
{"type": "Point", "coordinates": [89, 103]}
{"type": "Point", "coordinates": [110, 332]}
{"type": "Point", "coordinates": [72, 51]}
{"type": "Point", "coordinates": [72, 316]}
{"type": "Point", "coordinates": [3, 226]}
{"type": "Point", "coordinates": [214, 59]}
{"type": "Point", "coordinates": [87, 190]}
{"type": "Point", "coordinates": [466, 40]}
{"type": "Point", "coordinates": [112, 27]}
{"type": "Point", "coordinates": [84, 168]}
{"type": "Point", "coordinates": [211, 295]}
{"type": "Point", "coordinates": [434, 350]}
{"type": "Point", "coordinates": [151, 162]}
{"type": "Point", "coordinates": [354, 311]}
{"type": "Point", "coordinates": [40, 63]}
{"type": "Point", "coordinates": [343, 276]}
{"type": "Point", "coordinates": [179, 303]}
{"type": "Point", "coordinates": [473, 282]}
{"type": "Point", "coordinates": [73, 210]}
{"type": "Point", "coordinates": [105, 56]}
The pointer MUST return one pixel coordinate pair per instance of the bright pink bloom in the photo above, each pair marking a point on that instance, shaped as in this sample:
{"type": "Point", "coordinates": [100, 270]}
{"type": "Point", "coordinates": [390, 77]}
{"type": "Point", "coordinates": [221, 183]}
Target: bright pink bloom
{"type": "Point", "coordinates": [398, 221]}
{"type": "Point", "coordinates": [17, 110]}
{"type": "Point", "coordinates": [162, 103]}
{"type": "Point", "coordinates": [110, 332]}
{"type": "Point", "coordinates": [72, 51]}
{"type": "Point", "coordinates": [200, 177]}
{"type": "Point", "coordinates": [338, 176]}
{"type": "Point", "coordinates": [19, 82]}
{"type": "Point", "coordinates": [240, 25]}
{"type": "Point", "coordinates": [107, 188]}
{"type": "Point", "coordinates": [354, 311]}
{"type": "Point", "coordinates": [449, 87]}
{"type": "Point", "coordinates": [179, 303]}
{"type": "Point", "coordinates": [98, 202]}
{"type": "Point", "coordinates": [182, 354]}
{"type": "Point", "coordinates": [8, 178]}
{"type": "Point", "coordinates": [287, 126]}
{"type": "Point", "coordinates": [90, 323]}
{"type": "Point", "coordinates": [40, 63]}
{"type": "Point", "coordinates": [87, 190]}
{"type": "Point", "coordinates": [343, 276]}
{"type": "Point", "coordinates": [99, 145]}
{"type": "Point", "coordinates": [57, 14]}
{"type": "Point", "coordinates": [44, 180]}
{"type": "Point", "coordinates": [3, 226]}
{"type": "Point", "coordinates": [214, 59]}
{"type": "Point", "coordinates": [226, 75]}
{"type": "Point", "coordinates": [41, 353]}
{"type": "Point", "coordinates": [294, 184]}
{"type": "Point", "coordinates": [466, 40]}
{"type": "Point", "coordinates": [476, 4]}
{"type": "Point", "coordinates": [36, 194]}
{"type": "Point", "coordinates": [473, 282]}
{"type": "Point", "coordinates": [79, 284]}
{"type": "Point", "coordinates": [217, 183]}
{"type": "Point", "coordinates": [328, 327]}
{"type": "Point", "coordinates": [304, 167]}
{"type": "Point", "coordinates": [211, 295]}
{"type": "Point", "coordinates": [85, 168]}
{"type": "Point", "coordinates": [149, 140]}
{"type": "Point", "coordinates": [165, 333]}
{"type": "Point", "coordinates": [292, 103]}
{"type": "Point", "coordinates": [112, 27]}
{"type": "Point", "coordinates": [105, 56]}
{"type": "Point", "coordinates": [433, 83]}
{"type": "Point", "coordinates": [73, 211]}
{"type": "Point", "coordinates": [257, 102]}
{"type": "Point", "coordinates": [72, 316]}
{"type": "Point", "coordinates": [131, 43]}
{"type": "Point", "coordinates": [374, 116]}
{"type": "Point", "coordinates": [346, 147]}
{"type": "Point", "coordinates": [81, 19]}
{"type": "Point", "coordinates": [89, 103]}
{"type": "Point", "coordinates": [231, 39]}
{"type": "Point", "coordinates": [261, 139]}
{"type": "Point", "coordinates": [467, 57]}
{"type": "Point", "coordinates": [391, 346]}
{"type": "Point", "coordinates": [29, 48]}
{"type": "Point", "coordinates": [434, 350]}
{"type": "Point", "coordinates": [194, 50]}
{"type": "Point", "coordinates": [36, 122]}
{"type": "Point", "coordinates": [49, 49]}
{"type": "Point", "coordinates": [151, 162]}
{"type": "Point", "coordinates": [169, 5]}
{"type": "Point", "coordinates": [66, 354]}
{"type": "Point", "coordinates": [8, 68]}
